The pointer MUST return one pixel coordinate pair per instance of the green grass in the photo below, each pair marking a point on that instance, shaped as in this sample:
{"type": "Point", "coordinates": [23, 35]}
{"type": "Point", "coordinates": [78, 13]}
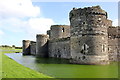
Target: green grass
{"type": "Point", "coordinates": [11, 69]}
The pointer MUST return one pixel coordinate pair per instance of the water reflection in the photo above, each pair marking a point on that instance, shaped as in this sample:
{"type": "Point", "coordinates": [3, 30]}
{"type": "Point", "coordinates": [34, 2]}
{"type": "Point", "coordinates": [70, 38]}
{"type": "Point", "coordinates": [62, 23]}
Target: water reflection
{"type": "Point", "coordinates": [61, 68]}
{"type": "Point", "coordinates": [51, 61]}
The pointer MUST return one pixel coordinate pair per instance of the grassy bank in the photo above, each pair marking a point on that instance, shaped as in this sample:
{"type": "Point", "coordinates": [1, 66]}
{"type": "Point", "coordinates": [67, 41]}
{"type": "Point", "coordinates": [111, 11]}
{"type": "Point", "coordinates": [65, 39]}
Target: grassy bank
{"type": "Point", "coordinates": [11, 69]}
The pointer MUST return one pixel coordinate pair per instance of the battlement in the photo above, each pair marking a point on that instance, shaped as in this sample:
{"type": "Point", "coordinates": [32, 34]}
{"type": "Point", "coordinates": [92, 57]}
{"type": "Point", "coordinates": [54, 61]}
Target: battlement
{"type": "Point", "coordinates": [84, 20]}
{"type": "Point", "coordinates": [88, 11]}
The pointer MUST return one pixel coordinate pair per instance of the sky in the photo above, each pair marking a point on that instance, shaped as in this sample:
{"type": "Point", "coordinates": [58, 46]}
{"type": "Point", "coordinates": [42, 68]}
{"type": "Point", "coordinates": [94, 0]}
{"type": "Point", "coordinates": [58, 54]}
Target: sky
{"type": "Point", "coordinates": [23, 19]}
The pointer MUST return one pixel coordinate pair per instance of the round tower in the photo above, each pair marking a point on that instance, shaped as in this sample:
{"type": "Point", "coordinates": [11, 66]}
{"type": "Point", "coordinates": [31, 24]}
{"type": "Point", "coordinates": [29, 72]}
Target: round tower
{"type": "Point", "coordinates": [42, 45]}
{"type": "Point", "coordinates": [89, 38]}
{"type": "Point", "coordinates": [26, 47]}
{"type": "Point", "coordinates": [59, 31]}
{"type": "Point", "coordinates": [33, 47]}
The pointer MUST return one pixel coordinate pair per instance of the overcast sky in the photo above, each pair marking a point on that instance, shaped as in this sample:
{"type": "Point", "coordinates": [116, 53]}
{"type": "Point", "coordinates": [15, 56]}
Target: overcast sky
{"type": "Point", "coordinates": [23, 19]}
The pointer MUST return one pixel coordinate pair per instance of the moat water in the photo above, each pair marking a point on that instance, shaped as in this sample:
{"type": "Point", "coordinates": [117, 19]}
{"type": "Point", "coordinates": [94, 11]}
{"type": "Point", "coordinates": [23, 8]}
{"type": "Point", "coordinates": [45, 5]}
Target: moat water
{"type": "Point", "coordinates": [60, 68]}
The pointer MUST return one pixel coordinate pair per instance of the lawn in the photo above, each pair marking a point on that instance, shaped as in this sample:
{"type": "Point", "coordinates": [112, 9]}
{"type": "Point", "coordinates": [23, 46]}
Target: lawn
{"type": "Point", "coordinates": [11, 69]}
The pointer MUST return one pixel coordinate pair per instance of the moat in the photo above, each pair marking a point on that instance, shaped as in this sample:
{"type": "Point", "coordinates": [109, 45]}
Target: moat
{"type": "Point", "coordinates": [61, 68]}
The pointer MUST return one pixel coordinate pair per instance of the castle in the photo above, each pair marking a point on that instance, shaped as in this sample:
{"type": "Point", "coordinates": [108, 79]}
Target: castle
{"type": "Point", "coordinates": [90, 39]}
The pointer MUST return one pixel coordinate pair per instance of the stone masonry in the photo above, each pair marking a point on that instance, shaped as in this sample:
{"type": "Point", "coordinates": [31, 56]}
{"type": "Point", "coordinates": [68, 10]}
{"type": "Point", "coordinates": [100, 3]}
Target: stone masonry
{"type": "Point", "coordinates": [26, 47]}
{"type": "Point", "coordinates": [90, 39]}
{"type": "Point", "coordinates": [33, 47]}
{"type": "Point", "coordinates": [42, 45]}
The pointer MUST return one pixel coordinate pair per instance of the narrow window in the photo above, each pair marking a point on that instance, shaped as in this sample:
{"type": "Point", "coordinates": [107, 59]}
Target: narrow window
{"type": "Point", "coordinates": [84, 48]}
{"type": "Point", "coordinates": [103, 48]}
{"type": "Point", "coordinates": [63, 30]}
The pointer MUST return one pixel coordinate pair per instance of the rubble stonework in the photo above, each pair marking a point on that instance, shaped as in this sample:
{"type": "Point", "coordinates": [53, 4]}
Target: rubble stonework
{"type": "Point", "coordinates": [90, 38]}
{"type": "Point", "coordinates": [113, 40]}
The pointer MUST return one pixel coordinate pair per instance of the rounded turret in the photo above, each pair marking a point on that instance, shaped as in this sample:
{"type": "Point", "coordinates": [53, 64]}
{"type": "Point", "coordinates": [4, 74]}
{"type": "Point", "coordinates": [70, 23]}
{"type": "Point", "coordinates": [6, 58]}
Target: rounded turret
{"type": "Point", "coordinates": [89, 38]}
{"type": "Point", "coordinates": [42, 45]}
{"type": "Point", "coordinates": [26, 47]}
{"type": "Point", "coordinates": [59, 31]}
{"type": "Point", "coordinates": [89, 20]}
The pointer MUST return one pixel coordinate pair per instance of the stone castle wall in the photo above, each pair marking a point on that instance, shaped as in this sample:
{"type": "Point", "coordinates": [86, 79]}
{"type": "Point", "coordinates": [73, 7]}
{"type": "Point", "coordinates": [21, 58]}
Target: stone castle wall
{"type": "Point", "coordinates": [90, 39]}
{"type": "Point", "coordinates": [60, 48]}
{"type": "Point", "coordinates": [59, 45]}
{"type": "Point", "coordinates": [113, 37]}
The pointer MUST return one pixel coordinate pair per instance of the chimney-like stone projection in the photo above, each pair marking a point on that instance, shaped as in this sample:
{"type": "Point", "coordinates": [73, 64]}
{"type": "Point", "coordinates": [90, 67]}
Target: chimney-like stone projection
{"type": "Point", "coordinates": [42, 45]}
